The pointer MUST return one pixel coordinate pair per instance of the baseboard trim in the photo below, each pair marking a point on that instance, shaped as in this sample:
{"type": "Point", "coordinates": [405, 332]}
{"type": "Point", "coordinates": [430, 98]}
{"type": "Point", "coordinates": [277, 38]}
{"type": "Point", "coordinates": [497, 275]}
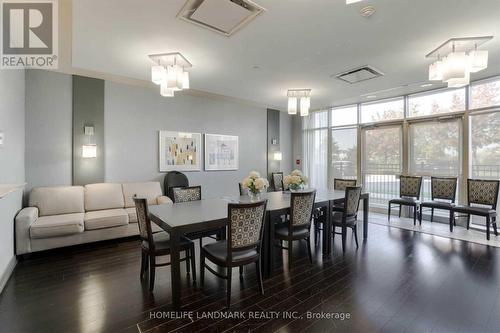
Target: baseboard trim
{"type": "Point", "coordinates": [7, 273]}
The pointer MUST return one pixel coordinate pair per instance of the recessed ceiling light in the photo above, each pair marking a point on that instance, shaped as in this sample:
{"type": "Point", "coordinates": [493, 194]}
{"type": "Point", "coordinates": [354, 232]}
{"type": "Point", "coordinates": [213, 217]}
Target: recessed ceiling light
{"type": "Point", "coordinates": [371, 96]}
{"type": "Point", "coordinates": [426, 85]}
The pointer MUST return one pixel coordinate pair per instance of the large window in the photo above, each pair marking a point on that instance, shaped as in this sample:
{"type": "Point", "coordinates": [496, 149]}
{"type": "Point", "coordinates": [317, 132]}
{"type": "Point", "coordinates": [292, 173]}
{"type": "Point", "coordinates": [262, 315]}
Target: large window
{"type": "Point", "coordinates": [485, 94]}
{"type": "Point", "coordinates": [382, 162]}
{"type": "Point", "coordinates": [442, 101]}
{"type": "Point", "coordinates": [344, 116]}
{"type": "Point", "coordinates": [344, 150]}
{"type": "Point", "coordinates": [384, 110]}
{"type": "Point", "coordinates": [485, 145]}
{"type": "Point", "coordinates": [315, 143]}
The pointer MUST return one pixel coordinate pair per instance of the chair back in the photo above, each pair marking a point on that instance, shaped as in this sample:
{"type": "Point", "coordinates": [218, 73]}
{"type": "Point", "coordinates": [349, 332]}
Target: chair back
{"type": "Point", "coordinates": [174, 179]}
{"type": "Point", "coordinates": [301, 208]}
{"type": "Point", "coordinates": [277, 178]}
{"type": "Point", "coordinates": [245, 226]}
{"type": "Point", "coordinates": [242, 190]}
{"type": "Point", "coordinates": [410, 186]}
{"type": "Point", "coordinates": [145, 232]}
{"type": "Point", "coordinates": [483, 192]}
{"type": "Point", "coordinates": [444, 188]}
{"type": "Point", "coordinates": [351, 201]}
{"type": "Point", "coordinates": [341, 184]}
{"type": "Point", "coordinates": [185, 194]}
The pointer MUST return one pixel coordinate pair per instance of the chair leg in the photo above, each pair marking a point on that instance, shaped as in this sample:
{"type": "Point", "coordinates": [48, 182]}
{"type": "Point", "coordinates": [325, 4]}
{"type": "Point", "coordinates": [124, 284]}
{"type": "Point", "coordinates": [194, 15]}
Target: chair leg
{"type": "Point", "coordinates": [259, 276]}
{"type": "Point", "coordinates": [432, 214]}
{"type": "Point", "coordinates": [468, 221]}
{"type": "Point", "coordinates": [152, 269]}
{"type": "Point", "coordinates": [414, 215]}
{"type": "Point", "coordinates": [452, 220]}
{"type": "Point", "coordinates": [202, 268]}
{"type": "Point", "coordinates": [344, 236]}
{"type": "Point", "coordinates": [494, 222]}
{"type": "Point", "coordinates": [241, 270]}
{"type": "Point", "coordinates": [316, 231]}
{"type": "Point", "coordinates": [308, 240]}
{"type": "Point", "coordinates": [355, 234]}
{"type": "Point", "coordinates": [389, 213]}
{"type": "Point", "coordinates": [228, 293]}
{"type": "Point", "coordinates": [420, 216]}
{"type": "Point", "coordinates": [400, 207]}
{"type": "Point", "coordinates": [193, 262]}
{"type": "Point", "coordinates": [487, 227]}
{"type": "Point", "coordinates": [290, 243]}
{"type": "Point", "coordinates": [143, 264]}
{"type": "Point", "coordinates": [188, 259]}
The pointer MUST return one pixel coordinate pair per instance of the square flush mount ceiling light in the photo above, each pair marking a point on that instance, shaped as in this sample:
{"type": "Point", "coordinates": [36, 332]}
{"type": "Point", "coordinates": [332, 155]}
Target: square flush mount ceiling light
{"type": "Point", "coordinates": [169, 71]}
{"type": "Point", "coordinates": [456, 59]}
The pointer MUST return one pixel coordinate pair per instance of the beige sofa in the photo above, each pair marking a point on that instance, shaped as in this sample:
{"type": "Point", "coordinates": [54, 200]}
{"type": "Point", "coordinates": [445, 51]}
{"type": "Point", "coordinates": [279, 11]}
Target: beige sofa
{"type": "Point", "coordinates": [69, 215]}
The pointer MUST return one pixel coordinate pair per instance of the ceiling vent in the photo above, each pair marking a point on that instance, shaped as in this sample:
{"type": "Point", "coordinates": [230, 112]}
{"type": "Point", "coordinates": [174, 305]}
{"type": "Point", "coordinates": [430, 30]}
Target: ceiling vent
{"type": "Point", "coordinates": [359, 74]}
{"type": "Point", "coordinates": [222, 16]}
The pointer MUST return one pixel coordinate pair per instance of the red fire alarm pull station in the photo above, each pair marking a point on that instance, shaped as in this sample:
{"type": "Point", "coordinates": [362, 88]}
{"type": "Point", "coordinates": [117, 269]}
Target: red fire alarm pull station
{"type": "Point", "coordinates": [297, 162]}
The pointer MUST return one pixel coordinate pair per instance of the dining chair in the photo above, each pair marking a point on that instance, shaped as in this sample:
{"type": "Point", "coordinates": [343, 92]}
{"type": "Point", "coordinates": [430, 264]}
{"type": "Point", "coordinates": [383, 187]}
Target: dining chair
{"type": "Point", "coordinates": [193, 193]}
{"type": "Point", "coordinates": [298, 225]}
{"type": "Point", "coordinates": [242, 190]}
{"type": "Point", "coordinates": [277, 178]}
{"type": "Point", "coordinates": [409, 195]}
{"type": "Point", "coordinates": [482, 199]}
{"type": "Point", "coordinates": [443, 195]}
{"type": "Point", "coordinates": [340, 184]}
{"type": "Point", "coordinates": [346, 216]}
{"type": "Point", "coordinates": [158, 244]}
{"type": "Point", "coordinates": [174, 179]}
{"type": "Point", "coordinates": [242, 247]}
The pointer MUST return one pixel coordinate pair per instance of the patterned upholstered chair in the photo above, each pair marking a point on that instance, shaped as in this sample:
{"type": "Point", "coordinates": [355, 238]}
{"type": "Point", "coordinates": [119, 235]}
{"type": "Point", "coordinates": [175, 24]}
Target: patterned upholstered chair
{"type": "Point", "coordinates": [341, 184]}
{"type": "Point", "coordinates": [482, 198]}
{"type": "Point", "coordinates": [158, 244]}
{"type": "Point", "coordinates": [298, 225]}
{"type": "Point", "coordinates": [186, 194]}
{"type": "Point", "coordinates": [193, 193]}
{"type": "Point", "coordinates": [443, 194]}
{"type": "Point", "coordinates": [242, 190]}
{"type": "Point", "coordinates": [346, 216]}
{"type": "Point", "coordinates": [243, 244]}
{"type": "Point", "coordinates": [409, 195]}
{"type": "Point", "coordinates": [277, 178]}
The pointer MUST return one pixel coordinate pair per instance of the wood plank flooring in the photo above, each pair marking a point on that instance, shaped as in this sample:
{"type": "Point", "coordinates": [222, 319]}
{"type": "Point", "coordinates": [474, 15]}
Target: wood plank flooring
{"type": "Point", "coordinates": [397, 281]}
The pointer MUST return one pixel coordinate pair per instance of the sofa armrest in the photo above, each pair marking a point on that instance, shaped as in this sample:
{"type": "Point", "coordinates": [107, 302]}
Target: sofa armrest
{"type": "Point", "coordinates": [163, 200]}
{"type": "Point", "coordinates": [26, 217]}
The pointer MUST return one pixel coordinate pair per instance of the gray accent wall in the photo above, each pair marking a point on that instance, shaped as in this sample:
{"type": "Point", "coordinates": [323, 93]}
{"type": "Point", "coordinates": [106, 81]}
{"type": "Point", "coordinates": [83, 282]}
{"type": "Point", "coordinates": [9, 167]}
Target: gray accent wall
{"type": "Point", "coordinates": [273, 142]}
{"type": "Point", "coordinates": [88, 110]}
{"type": "Point", "coordinates": [286, 146]}
{"type": "Point", "coordinates": [49, 132]}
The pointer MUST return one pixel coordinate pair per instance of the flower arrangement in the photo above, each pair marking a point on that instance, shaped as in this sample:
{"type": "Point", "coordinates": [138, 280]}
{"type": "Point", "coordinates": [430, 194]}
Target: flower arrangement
{"type": "Point", "coordinates": [254, 183]}
{"type": "Point", "coordinates": [295, 181]}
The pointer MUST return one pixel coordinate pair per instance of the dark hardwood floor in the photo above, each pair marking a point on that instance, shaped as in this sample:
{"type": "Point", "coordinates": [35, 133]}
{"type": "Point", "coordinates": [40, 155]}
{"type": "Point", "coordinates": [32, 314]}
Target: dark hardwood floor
{"type": "Point", "coordinates": [398, 281]}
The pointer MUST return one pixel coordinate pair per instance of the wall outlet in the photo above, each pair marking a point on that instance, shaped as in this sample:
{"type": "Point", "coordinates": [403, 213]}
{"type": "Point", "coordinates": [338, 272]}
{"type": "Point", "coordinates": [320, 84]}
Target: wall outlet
{"type": "Point", "coordinates": [2, 136]}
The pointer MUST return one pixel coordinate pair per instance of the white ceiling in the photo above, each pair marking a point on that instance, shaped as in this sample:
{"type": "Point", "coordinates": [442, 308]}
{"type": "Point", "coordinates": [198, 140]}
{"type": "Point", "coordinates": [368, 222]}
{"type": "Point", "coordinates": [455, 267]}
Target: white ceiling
{"type": "Point", "coordinates": [295, 44]}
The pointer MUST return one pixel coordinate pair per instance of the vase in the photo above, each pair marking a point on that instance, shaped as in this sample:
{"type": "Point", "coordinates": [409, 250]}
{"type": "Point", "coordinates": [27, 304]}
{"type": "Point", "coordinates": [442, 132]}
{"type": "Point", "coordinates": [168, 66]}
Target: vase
{"type": "Point", "coordinates": [254, 196]}
{"type": "Point", "coordinates": [295, 187]}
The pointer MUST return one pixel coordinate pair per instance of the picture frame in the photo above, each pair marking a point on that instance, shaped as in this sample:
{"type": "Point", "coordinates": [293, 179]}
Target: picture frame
{"type": "Point", "coordinates": [221, 152]}
{"type": "Point", "coordinates": [179, 151]}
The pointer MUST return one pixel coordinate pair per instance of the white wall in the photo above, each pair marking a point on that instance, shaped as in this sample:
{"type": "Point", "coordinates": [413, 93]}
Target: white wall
{"type": "Point", "coordinates": [134, 115]}
{"type": "Point", "coordinates": [49, 129]}
{"type": "Point", "coordinates": [12, 115]}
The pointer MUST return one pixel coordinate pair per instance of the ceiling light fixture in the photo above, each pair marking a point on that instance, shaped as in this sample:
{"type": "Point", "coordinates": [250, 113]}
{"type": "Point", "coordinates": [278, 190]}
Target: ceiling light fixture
{"type": "Point", "coordinates": [348, 2]}
{"type": "Point", "coordinates": [456, 59]}
{"type": "Point", "coordinates": [169, 71]}
{"type": "Point", "coordinates": [301, 97]}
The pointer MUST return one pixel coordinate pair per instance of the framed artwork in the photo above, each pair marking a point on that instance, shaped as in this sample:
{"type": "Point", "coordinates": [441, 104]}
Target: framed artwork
{"type": "Point", "coordinates": [179, 151]}
{"type": "Point", "coordinates": [221, 152]}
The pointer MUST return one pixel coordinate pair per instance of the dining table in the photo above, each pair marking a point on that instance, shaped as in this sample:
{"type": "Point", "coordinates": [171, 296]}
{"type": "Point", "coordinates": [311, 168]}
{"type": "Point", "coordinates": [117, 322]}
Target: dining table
{"type": "Point", "coordinates": [179, 219]}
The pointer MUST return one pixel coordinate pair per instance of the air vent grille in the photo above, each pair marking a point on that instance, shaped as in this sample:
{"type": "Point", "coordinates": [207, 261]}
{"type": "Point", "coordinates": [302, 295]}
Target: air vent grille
{"type": "Point", "coordinates": [222, 16]}
{"type": "Point", "coordinates": [359, 74]}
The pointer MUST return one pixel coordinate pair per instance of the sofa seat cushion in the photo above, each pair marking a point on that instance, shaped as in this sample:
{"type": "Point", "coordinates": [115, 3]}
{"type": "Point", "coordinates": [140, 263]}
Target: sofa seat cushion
{"type": "Point", "coordinates": [105, 219]}
{"type": "Point", "coordinates": [57, 225]}
{"type": "Point", "coordinates": [132, 215]}
{"type": "Point", "coordinates": [103, 196]}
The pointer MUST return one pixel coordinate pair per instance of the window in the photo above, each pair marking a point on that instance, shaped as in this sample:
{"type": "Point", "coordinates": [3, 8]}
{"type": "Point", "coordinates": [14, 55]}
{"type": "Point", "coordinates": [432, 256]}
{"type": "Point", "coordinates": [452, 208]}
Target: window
{"type": "Point", "coordinates": [485, 145]}
{"type": "Point", "coordinates": [485, 94]}
{"type": "Point", "coordinates": [382, 162]}
{"type": "Point", "coordinates": [436, 102]}
{"type": "Point", "coordinates": [344, 116]}
{"type": "Point", "coordinates": [384, 110]}
{"type": "Point", "coordinates": [316, 157]}
{"type": "Point", "coordinates": [343, 147]}
{"type": "Point", "coordinates": [316, 119]}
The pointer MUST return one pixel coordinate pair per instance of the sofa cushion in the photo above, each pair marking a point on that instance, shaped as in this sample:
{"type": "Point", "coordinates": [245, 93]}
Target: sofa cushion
{"type": "Point", "coordinates": [57, 200]}
{"type": "Point", "coordinates": [105, 218]}
{"type": "Point", "coordinates": [103, 196]}
{"type": "Point", "coordinates": [147, 190]}
{"type": "Point", "coordinates": [132, 215]}
{"type": "Point", "coordinates": [57, 225]}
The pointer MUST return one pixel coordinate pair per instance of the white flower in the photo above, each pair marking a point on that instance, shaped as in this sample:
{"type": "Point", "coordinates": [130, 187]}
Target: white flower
{"type": "Point", "coordinates": [296, 180]}
{"type": "Point", "coordinates": [296, 173]}
{"type": "Point", "coordinates": [261, 183]}
{"type": "Point", "coordinates": [254, 175]}
{"type": "Point", "coordinates": [287, 180]}
{"type": "Point", "coordinates": [246, 182]}
{"type": "Point", "coordinates": [305, 179]}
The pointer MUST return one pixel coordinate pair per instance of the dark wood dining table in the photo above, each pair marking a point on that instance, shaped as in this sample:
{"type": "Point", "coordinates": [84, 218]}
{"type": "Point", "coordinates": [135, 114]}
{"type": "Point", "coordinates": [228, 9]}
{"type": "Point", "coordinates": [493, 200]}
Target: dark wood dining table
{"type": "Point", "coordinates": [210, 214]}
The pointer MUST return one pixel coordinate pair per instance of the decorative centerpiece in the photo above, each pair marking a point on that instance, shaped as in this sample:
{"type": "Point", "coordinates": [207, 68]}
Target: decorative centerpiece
{"type": "Point", "coordinates": [255, 184]}
{"type": "Point", "coordinates": [295, 181]}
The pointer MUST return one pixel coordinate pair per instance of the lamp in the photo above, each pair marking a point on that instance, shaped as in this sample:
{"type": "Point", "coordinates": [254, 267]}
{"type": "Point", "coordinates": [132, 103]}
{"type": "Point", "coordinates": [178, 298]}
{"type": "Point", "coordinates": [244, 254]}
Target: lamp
{"type": "Point", "coordinates": [278, 156]}
{"type": "Point", "coordinates": [157, 74]}
{"type": "Point", "coordinates": [303, 96]}
{"type": "Point", "coordinates": [292, 105]}
{"type": "Point", "coordinates": [89, 150]}
{"type": "Point", "coordinates": [170, 72]}
{"type": "Point", "coordinates": [305, 104]}
{"type": "Point", "coordinates": [478, 60]}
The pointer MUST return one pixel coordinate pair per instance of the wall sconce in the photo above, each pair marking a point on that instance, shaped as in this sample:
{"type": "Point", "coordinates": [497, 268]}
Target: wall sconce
{"type": "Point", "coordinates": [278, 156]}
{"type": "Point", "coordinates": [89, 150]}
